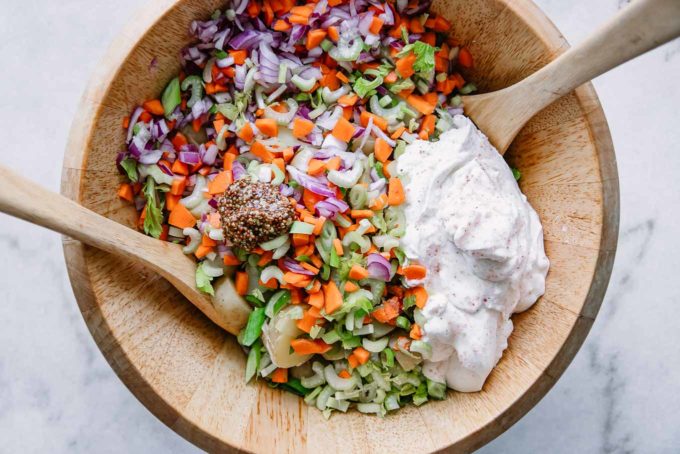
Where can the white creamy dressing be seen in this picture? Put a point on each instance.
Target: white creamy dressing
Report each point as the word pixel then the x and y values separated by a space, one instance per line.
pixel 482 244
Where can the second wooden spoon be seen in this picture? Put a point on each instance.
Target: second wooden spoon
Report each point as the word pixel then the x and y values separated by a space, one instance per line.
pixel 641 26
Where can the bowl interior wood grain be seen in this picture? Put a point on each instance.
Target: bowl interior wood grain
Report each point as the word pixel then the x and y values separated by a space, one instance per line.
pixel 190 374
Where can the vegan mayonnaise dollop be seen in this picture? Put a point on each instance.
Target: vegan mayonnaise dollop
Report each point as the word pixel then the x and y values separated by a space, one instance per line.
pixel 482 244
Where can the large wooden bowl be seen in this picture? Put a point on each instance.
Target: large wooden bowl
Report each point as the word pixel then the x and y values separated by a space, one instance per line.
pixel 190 374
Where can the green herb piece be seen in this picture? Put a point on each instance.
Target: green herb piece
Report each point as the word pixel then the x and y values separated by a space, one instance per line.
pixel 171 97
pixel 516 173
pixel 130 167
pixel 154 210
pixel 424 56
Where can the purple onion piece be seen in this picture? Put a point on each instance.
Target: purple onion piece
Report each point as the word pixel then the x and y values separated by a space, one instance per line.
pixel 378 267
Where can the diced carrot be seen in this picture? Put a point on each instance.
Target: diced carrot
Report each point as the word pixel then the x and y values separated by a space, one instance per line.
pixel 341 76
pixel 348 100
pixel 416 332
pixel 310 199
pixel 428 124
pixel 376 25
pixel 337 244
pixel 179 168
pixel 379 202
pixel 314 38
pixel 351 287
pixel 171 201
pixel 228 161
pixel 378 121
pixel 388 311
pixel 145 117
pixel 353 361
pixel 344 373
pixel 304 10
pixel 382 150
pixel 441 24
pixel 358 272
pixel 420 104
pixel 280 375
pixel 309 267
pixel 261 151
pixel 246 132
pixel 302 127
pixel 343 130
pixel 241 282
pixel 299 239
pixel 126 122
pixel 154 106
pixel 431 98
pixel 288 154
pixel 335 2
pixel 316 300
pixel 179 141
pixel 267 126
pixel 465 58
pixel 294 278
pixel 202 251
pixel 282 26
pixel 420 294
pixel 181 217
pixel 265 258
pixel 333 163
pixel 178 185
pixel 300 20
pixel 405 64
pixel 220 183
pixel 333 33
pixel 362 355
pixel 231 260
pixel 361 214
pixel 295 297
pixel 309 346
pixel 414 272
pixel 415 26
pixel 395 192
pixel 391 77
pixel 315 288
pixel 315 167
pixel 332 297
pixel 125 192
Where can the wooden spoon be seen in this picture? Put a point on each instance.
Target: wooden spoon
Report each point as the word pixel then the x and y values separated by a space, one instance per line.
pixel 641 26
pixel 24 199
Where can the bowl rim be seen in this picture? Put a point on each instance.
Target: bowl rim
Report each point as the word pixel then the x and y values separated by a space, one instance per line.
pixel 75 159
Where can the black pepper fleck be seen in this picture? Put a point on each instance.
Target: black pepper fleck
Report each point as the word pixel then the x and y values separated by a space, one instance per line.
pixel 254 212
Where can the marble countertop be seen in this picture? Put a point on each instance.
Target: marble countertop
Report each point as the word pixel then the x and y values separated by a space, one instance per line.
pixel 58 394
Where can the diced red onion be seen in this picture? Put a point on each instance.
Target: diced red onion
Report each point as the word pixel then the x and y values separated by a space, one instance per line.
pixel 210 155
pixel 316 185
pixel 150 157
pixel 133 121
pixel 378 267
pixel 189 157
pixel 238 170
pixel 292 265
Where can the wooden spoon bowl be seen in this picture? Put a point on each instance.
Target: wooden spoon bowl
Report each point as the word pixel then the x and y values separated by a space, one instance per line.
pixel 189 372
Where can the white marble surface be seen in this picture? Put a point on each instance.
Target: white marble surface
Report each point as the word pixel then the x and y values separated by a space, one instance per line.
pixel 57 393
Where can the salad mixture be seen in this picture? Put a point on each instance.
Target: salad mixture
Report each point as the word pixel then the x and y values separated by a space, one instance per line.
pixel 272 156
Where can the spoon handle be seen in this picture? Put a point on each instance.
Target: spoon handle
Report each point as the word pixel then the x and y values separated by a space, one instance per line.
pixel 21 198
pixel 638 28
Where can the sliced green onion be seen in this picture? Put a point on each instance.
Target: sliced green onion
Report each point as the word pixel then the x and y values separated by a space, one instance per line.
pixel 283 72
pixel 303 84
pixel 357 197
pixel 375 346
pixel 277 302
pixel 196 84
pixel 516 173
pixel 253 362
pixel 467 88
pixel 436 390
pixel 339 384
pixel 347 53
pixel 302 228
pixel 403 323
pixel 253 328
pixel 171 97
pixel 422 347
pixel 389 357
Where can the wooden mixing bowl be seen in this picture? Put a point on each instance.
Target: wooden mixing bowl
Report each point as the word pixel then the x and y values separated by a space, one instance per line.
pixel 189 373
